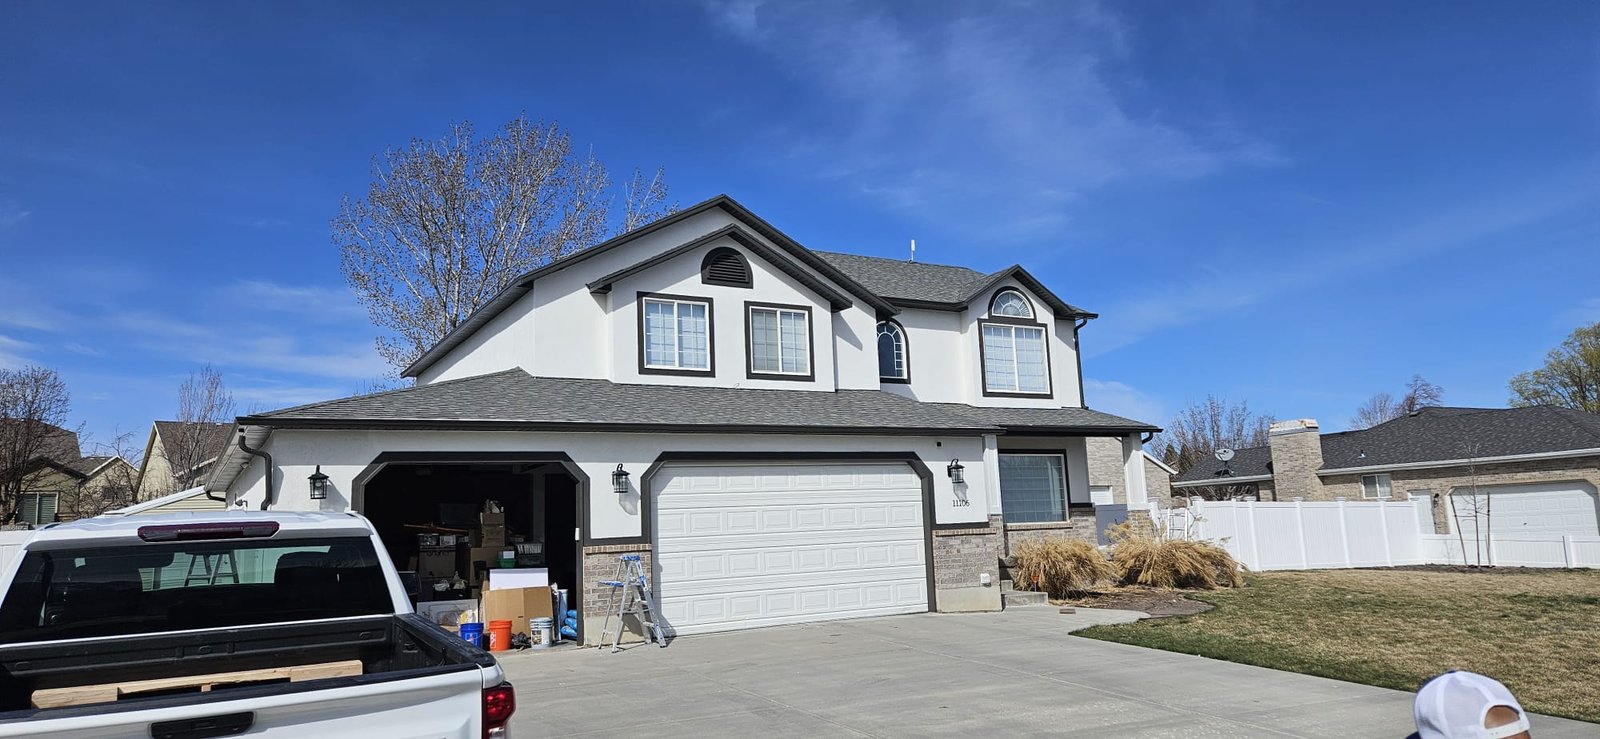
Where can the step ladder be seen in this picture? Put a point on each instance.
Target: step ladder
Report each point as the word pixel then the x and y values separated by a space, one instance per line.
pixel 206 568
pixel 630 594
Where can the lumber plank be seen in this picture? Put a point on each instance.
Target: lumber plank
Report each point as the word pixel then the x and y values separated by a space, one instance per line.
pixel 108 692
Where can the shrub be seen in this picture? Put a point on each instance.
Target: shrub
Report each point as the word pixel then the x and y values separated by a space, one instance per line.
pixel 1059 566
pixel 1143 558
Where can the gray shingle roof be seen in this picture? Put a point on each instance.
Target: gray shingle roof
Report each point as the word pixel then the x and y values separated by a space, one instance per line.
pixel 516 399
pixel 1435 435
pixel 1249 462
pixel 214 437
pixel 897 279
pixel 1045 419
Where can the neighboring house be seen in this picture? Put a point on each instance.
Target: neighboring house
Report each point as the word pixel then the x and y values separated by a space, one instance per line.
pixel 783 435
pixel 60 484
pixel 1532 470
pixel 191 500
pixel 191 446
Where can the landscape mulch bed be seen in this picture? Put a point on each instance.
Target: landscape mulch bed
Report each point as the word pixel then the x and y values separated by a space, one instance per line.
pixel 1157 603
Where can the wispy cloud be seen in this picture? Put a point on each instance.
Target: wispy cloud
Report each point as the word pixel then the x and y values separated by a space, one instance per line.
pixel 268 223
pixel 87 351
pixel 1123 400
pixel 11 352
pixel 12 213
pixel 1014 108
pixel 258 347
pixel 321 303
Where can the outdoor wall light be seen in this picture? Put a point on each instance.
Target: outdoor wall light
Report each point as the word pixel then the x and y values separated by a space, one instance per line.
pixel 619 481
pixel 319 484
pixel 957 473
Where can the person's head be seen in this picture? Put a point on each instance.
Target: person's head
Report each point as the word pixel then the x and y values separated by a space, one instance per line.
pixel 1466 705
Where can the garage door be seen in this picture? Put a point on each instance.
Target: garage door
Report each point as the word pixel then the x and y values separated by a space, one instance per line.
pixel 1551 508
pixel 740 546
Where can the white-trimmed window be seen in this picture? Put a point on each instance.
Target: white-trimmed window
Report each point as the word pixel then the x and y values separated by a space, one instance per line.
pixel 1015 359
pixel 1011 304
pixel 37 508
pixel 892 364
pixel 676 333
pixel 779 341
pixel 1033 487
pixel 1375 486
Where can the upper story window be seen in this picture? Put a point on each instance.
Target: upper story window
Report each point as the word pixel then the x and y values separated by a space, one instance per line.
pixel 893 365
pixel 1015 360
pixel 1011 304
pixel 674 334
pixel 779 341
pixel 725 266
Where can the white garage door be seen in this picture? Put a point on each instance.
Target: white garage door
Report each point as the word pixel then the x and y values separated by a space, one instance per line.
pixel 740 546
pixel 1550 508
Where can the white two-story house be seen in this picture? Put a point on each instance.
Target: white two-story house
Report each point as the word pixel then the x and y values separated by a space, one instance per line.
pixel 786 435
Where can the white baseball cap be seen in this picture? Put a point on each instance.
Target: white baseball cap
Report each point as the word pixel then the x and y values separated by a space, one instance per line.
pixel 1455 704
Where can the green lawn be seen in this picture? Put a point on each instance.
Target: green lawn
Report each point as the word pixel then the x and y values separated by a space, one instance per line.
pixel 1536 631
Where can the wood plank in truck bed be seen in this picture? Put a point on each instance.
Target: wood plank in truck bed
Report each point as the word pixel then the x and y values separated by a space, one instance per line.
pixel 108 692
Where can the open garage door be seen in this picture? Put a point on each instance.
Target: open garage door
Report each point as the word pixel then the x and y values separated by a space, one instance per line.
pixel 1545 508
pixel 746 545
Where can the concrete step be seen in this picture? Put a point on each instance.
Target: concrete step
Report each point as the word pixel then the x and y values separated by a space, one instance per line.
pixel 1024 598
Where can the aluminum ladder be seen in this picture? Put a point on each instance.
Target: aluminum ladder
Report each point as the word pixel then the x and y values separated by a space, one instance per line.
pixel 630 594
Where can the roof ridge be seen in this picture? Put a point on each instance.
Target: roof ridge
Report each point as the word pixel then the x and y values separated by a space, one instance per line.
pixel 396 391
pixel 1561 414
pixel 910 262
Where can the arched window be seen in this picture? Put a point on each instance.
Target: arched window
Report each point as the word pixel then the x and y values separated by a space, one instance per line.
pixel 1010 303
pixel 725 266
pixel 893 364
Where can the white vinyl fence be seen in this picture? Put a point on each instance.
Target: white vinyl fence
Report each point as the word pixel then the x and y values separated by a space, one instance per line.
pixel 11 546
pixel 1340 534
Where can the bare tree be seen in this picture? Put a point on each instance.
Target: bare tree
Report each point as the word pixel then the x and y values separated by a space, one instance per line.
pixel 1475 504
pixel 1382 407
pixel 1570 377
pixel 644 201
pixel 447 224
pixel 118 485
pixel 33 409
pixel 203 403
pixel 1202 428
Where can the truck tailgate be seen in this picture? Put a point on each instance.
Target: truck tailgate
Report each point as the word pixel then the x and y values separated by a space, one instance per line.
pixel 447 704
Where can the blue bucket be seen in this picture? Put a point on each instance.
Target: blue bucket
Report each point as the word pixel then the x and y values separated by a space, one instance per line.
pixel 473 633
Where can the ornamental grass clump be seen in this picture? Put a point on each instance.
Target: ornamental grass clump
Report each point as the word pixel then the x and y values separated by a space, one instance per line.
pixel 1144 558
pixel 1060 566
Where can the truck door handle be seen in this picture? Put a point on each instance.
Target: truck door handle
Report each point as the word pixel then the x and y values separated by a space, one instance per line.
pixel 203 728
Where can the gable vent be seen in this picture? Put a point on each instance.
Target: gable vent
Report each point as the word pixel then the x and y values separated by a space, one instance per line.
pixel 725 266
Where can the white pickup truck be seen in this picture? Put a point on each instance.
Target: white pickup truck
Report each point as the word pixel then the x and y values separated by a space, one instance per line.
pixel 198 625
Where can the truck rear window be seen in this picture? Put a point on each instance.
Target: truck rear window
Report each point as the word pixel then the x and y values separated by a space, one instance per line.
pixel 149 588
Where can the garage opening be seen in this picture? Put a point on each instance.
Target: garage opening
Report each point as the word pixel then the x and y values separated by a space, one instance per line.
pixel 457 530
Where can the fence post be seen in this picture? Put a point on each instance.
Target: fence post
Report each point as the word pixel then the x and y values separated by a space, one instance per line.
pixel 1344 535
pixel 1569 553
pixel 1255 541
pixel 1300 534
pixel 1383 522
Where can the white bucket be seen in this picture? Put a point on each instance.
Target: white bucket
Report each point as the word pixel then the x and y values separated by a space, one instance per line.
pixel 542 631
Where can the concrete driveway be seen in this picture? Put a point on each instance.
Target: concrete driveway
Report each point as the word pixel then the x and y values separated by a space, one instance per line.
pixel 1001 674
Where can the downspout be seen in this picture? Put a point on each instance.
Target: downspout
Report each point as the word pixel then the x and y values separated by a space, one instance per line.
pixel 1077 353
pixel 266 459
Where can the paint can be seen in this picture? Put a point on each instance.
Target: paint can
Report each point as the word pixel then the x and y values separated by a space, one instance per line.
pixel 540 629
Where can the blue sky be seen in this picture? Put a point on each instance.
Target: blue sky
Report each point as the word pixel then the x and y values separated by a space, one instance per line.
pixel 1298 204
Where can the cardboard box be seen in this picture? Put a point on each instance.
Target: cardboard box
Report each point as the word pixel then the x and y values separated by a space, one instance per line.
pixel 517 605
pixel 492 519
pixel 489 536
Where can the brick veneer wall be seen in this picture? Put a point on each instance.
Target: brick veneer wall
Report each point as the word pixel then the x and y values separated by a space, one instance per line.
pixel 1105 468
pixel 1439 482
pixel 962 555
pixel 1079 525
pixel 600 563
pixel 1296 457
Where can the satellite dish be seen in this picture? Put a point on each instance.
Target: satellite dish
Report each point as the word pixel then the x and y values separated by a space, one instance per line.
pixel 1224 454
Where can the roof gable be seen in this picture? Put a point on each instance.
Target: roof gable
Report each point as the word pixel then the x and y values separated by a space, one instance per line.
pixel 910 284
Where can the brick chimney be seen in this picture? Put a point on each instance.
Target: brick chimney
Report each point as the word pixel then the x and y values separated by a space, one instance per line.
pixel 1296 457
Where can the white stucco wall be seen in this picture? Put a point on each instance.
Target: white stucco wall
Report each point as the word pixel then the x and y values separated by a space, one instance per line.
pixel 1063 355
pixel 343 455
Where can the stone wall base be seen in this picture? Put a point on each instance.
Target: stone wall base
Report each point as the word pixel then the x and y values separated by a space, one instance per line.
pixel 600 563
pixel 962 557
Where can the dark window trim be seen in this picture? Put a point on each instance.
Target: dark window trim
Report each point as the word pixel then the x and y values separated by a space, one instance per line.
pixel 994 296
pixel 983 362
pixel 749 344
pixel 905 348
pixel 1066 484
pixel 711 336
pixel 647 493
pixel 705 266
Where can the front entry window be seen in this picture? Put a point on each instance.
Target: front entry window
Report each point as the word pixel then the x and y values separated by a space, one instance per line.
pixel 1033 487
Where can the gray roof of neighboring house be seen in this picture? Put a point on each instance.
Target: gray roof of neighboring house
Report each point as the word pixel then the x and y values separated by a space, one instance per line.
pixel 1435 435
pixel 1048 419
pixel 55 444
pixel 213 436
pixel 939 286
pixel 515 399
pixel 1251 462
pixel 87 465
